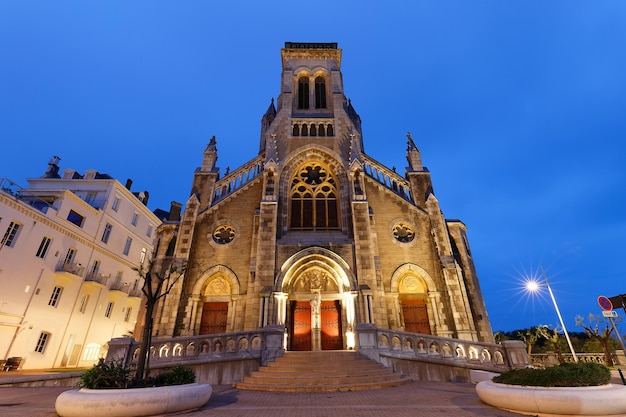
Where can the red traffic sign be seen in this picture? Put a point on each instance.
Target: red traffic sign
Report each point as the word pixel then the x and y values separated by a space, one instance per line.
pixel 605 303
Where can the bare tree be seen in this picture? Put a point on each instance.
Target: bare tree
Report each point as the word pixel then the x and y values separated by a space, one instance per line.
pixel 158 280
pixel 553 337
pixel 529 337
pixel 594 330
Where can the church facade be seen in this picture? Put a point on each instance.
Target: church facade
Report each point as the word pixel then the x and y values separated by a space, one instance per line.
pixel 315 235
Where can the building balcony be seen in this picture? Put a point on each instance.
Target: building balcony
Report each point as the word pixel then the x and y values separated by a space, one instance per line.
pixel 120 287
pixel 70 269
pixel 96 279
pixel 135 293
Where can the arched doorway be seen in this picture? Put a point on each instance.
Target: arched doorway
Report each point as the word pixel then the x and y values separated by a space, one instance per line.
pixel 412 296
pixel 315 302
pixel 315 319
pixel 215 303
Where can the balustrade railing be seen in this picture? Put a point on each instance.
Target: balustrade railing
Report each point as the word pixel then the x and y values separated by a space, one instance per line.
pixel 235 180
pixel 409 345
pixel 388 178
pixel 552 358
pixel 240 345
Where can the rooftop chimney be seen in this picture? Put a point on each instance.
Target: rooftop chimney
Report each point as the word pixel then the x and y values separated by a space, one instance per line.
pixel 175 209
pixel 53 168
pixel 129 183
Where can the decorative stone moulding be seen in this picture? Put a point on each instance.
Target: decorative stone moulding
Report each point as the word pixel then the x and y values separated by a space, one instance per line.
pixel 132 402
pixel 604 400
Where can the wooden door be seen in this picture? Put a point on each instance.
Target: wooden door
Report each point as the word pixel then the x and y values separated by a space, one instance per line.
pixel 300 325
pixel 214 318
pixel 332 337
pixel 415 316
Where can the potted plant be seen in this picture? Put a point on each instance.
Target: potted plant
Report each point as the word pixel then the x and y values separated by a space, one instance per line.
pixel 566 389
pixel 108 390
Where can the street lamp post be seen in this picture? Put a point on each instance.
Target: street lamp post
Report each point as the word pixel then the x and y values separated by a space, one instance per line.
pixel 533 286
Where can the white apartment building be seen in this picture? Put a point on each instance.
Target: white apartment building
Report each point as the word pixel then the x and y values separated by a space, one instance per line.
pixel 69 247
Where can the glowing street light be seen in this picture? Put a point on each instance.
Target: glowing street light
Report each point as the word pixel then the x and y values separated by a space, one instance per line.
pixel 533 286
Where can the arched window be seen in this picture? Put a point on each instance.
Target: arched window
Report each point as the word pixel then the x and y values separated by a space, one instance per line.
pixel 313 199
pixel 329 130
pixel 296 130
pixel 305 130
pixel 303 93
pixel 320 93
pixel 313 131
pixel 321 130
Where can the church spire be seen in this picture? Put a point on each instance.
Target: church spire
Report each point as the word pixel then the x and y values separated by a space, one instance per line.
pixel 355 153
pixel 271 157
pixel 210 156
pixel 413 155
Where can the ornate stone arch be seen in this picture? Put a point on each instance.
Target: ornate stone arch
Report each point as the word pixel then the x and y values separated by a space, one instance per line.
pixel 217 289
pixel 210 274
pixel 331 160
pixel 416 270
pixel 415 290
pixel 319 259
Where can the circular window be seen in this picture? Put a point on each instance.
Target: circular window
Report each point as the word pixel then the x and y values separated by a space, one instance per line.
pixel 223 234
pixel 403 232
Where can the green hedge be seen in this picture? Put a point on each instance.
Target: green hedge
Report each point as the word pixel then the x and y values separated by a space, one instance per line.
pixel 115 375
pixel 564 375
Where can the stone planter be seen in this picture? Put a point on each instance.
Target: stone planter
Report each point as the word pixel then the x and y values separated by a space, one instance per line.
pixel 132 402
pixel 603 400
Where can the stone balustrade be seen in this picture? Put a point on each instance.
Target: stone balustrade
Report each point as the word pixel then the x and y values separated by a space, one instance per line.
pixel 443 350
pixel 388 178
pixel 233 181
pixel 551 358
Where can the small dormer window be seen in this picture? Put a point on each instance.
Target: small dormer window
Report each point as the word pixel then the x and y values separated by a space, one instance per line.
pixel 303 93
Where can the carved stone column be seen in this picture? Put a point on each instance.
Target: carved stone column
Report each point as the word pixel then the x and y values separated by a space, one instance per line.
pixel 281 307
pixel 316 322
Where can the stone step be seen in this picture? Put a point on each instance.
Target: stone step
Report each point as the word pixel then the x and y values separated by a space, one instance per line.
pixel 351 386
pixel 278 372
pixel 321 380
pixel 321 371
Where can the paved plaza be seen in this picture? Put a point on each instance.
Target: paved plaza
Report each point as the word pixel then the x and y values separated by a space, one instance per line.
pixel 417 399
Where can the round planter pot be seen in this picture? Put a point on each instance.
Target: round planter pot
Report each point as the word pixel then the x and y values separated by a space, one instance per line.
pixel 604 400
pixel 132 402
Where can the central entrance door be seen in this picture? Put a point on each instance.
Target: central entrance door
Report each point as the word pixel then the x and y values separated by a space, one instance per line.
pixel 331 336
pixel 214 318
pixel 415 316
pixel 300 325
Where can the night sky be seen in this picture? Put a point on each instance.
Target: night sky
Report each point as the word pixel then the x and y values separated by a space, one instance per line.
pixel 518 109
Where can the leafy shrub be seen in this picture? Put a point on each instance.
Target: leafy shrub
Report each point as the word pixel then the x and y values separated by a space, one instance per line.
pixel 564 375
pixel 178 375
pixel 106 375
pixel 115 375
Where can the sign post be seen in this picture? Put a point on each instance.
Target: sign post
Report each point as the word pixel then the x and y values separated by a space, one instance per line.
pixel 607 311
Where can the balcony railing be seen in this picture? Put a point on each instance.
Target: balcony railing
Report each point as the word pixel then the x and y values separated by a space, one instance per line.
pixel 120 286
pixel 71 268
pixel 97 278
pixel 22 194
pixel 135 292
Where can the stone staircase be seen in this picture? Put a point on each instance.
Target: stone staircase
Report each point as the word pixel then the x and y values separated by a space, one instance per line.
pixel 321 372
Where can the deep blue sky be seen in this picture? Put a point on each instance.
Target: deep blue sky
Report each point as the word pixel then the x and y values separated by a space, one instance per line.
pixel 518 108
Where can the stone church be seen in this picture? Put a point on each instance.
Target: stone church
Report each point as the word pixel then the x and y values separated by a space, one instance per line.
pixel 315 235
